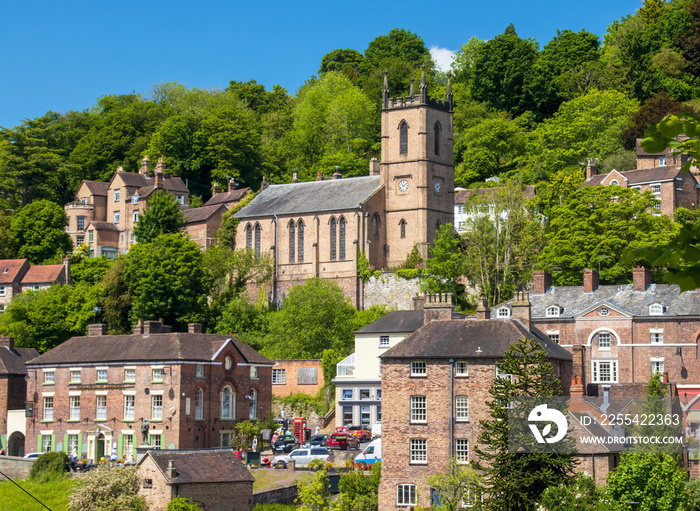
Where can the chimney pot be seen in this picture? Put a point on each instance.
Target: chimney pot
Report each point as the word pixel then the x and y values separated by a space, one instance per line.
pixel 294 178
pixel 319 177
pixel 144 166
pixel 591 168
pixel 215 189
pixel 264 184
pixel 231 185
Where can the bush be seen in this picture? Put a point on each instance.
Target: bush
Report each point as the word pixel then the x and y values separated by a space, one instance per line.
pixel 105 489
pixel 408 273
pixel 274 507
pixel 49 466
pixel 182 504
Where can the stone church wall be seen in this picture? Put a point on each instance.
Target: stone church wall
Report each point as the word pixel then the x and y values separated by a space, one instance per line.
pixel 392 291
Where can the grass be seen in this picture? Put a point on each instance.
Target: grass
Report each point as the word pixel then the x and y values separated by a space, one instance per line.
pixel 53 494
pixel 269 478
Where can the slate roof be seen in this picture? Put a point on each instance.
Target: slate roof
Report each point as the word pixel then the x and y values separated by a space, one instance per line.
pixel 463 195
pixel 97 187
pixel 574 301
pixel 147 184
pixel 311 196
pixel 103 226
pixel 12 360
pixel 16 269
pixel 225 198
pixel 170 184
pixel 178 346
pixel 197 466
pixel 652 175
pixel 194 215
pixel 395 322
pixel 42 273
pixel 462 339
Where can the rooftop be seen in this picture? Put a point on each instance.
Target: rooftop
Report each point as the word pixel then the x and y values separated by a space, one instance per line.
pixel 201 466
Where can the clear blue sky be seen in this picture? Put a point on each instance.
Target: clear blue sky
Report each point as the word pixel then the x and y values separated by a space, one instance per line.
pixel 64 55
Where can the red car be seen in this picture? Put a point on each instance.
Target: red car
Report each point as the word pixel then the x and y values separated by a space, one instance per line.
pixel 345 442
pixel 360 432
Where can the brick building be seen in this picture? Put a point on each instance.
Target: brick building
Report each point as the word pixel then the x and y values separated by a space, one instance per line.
pixel 215 480
pixel 319 228
pixel 230 198
pixel 13 388
pixel 17 275
pixel 435 387
pixel 297 376
pixel 91 394
pixel 203 223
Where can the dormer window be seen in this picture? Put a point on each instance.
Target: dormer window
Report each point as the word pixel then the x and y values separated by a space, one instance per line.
pixel 503 312
pixel 553 311
pixel 656 309
pixel 662 161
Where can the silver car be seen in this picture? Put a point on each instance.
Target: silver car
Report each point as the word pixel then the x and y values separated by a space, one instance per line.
pixel 301 457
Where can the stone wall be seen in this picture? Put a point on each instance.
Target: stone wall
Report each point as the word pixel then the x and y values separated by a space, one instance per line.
pixel 391 291
pixel 286 495
pixel 14 467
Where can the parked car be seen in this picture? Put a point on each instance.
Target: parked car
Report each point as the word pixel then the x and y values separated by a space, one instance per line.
pixel 33 455
pixel 301 457
pixel 360 432
pixel 372 454
pixel 285 445
pixel 318 441
pixel 344 442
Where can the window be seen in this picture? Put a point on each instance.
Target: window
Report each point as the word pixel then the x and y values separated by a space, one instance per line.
pixel 656 207
pixel 656 309
pixel 292 241
pixel 101 408
pixel 554 338
pixel 228 403
pixel 406 495
pixel 462 450
pixel 348 418
pixel 37 288
pixel 503 312
pixel 366 417
pixel 384 341
pixel 2 308
pixel 200 371
pixel 347 394
pixel 157 441
pixel 419 369
pixel 614 182
pixel 116 217
pixel 364 394
pixel 333 236
pixel 462 408
pixel 199 404
pixel 135 199
pixel 254 372
pixel 418 409
pixel 128 451
pixel 657 337
pixel 74 402
pixel 135 216
pixel 181 200
pixel 603 311
pixel 679 184
pixel 605 371
pixel 436 135
pixel 279 376
pixel 342 238
pixel 462 368
pixel 553 311
pixel 75 375
pixel 157 407
pixel 377 222
pixel 657 367
pixel 102 375
pixel 378 394
pixel 502 375
pixel 225 438
pixel 157 375
pixel 258 232
pixel 46 443
pixel 402 225
pixel 419 450
pixel 2 290
pixel 253 405
pixel 604 340
pixel 49 377
pixel 249 237
pixel 129 408
pixel 81 223
pixel 116 195
pixel 121 239
pixel 403 137
pixel 129 375
pixel 656 188
pixel 80 240
pixel 662 161
pixel 300 235
pixel 131 237
pixel 72 444
pixel 90 237
pixel 48 408
pixel 379 414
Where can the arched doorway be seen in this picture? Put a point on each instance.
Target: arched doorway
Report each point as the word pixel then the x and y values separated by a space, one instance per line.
pixel 99 447
pixel 15 444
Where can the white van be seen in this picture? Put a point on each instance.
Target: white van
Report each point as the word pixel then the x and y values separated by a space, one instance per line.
pixel 376 430
pixel 371 455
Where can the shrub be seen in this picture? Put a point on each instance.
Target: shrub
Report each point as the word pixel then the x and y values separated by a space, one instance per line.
pixel 105 489
pixel 182 504
pixel 48 466
pixel 274 507
pixel 408 273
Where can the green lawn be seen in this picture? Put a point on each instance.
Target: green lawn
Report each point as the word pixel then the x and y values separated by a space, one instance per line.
pixel 54 495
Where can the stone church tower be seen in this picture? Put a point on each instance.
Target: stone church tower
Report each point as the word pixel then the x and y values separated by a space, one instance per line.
pixel 417 170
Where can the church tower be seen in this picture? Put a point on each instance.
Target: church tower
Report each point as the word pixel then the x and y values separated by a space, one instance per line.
pixel 417 169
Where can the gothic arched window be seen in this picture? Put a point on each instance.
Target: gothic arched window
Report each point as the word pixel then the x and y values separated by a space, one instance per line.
pixel 249 236
pixel 300 233
pixel 333 238
pixel 403 137
pixel 292 240
pixel 228 403
pixel 436 130
pixel 402 223
pixel 258 232
pixel 342 238
pixel 377 223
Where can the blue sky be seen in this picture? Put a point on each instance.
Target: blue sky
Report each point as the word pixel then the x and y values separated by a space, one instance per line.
pixel 64 55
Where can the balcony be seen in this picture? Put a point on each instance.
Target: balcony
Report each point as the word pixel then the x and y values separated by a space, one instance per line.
pixel 346 367
pixel 80 205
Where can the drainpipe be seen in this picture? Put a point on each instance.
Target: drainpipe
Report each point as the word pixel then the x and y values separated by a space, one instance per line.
pixel 452 406
pixel 274 279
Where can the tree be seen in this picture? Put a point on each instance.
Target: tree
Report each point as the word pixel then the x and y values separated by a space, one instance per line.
pixel 458 485
pixel 162 216
pixel 182 504
pixel 648 115
pixel 463 62
pixel 49 466
pixel 651 10
pixel 516 480
pixel 116 298
pixel 230 271
pixel 314 495
pixel 105 489
pixel 446 263
pixel 6 245
pixel 344 60
pixel 38 232
pixel 595 226
pixel 166 280
pixel 581 494
pixel 358 492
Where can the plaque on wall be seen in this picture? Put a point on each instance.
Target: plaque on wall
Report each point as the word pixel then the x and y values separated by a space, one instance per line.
pixel 307 376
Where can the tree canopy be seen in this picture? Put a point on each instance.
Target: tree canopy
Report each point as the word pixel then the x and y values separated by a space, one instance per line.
pixel 38 232
pixel 162 216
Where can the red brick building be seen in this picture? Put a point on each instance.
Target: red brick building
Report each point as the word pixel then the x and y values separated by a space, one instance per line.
pixel 92 394
pixel 17 275
pixel 294 376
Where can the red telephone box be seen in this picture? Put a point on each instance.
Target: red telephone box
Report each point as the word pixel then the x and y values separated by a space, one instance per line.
pixel 299 429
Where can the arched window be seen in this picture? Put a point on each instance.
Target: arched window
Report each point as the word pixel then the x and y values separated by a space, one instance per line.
pixel 333 236
pixel 249 236
pixel 228 403
pixel 614 182
pixel 553 311
pixel 342 238
pixel 402 224
pixel 292 240
pixel 300 232
pixel 504 312
pixel 253 409
pixel 436 130
pixel 377 223
pixel 258 231
pixel 403 137
pixel 199 404
pixel 656 309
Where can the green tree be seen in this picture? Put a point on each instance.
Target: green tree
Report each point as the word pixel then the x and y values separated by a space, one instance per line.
pixel 116 298
pixel 90 270
pixel 6 245
pixel 358 492
pixel 182 504
pixel 230 271
pixel 314 495
pixel 38 232
pixel 446 264
pixel 162 216
pixel 166 280
pixel 581 494
pixel 648 115
pixel 49 466
pixel 104 489
pixel 516 480
pixel 463 62
pixel 457 485
pixel 651 10
pixel 344 60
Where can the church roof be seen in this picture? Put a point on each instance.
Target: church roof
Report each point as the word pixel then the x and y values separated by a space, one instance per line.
pixel 311 197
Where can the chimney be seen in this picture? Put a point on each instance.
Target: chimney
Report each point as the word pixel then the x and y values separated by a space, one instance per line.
pixel 7 342
pixel 160 173
pixel 664 377
pixel 641 278
pixel 294 178
pixel 138 327
pixel 231 185
pixel 437 307
pixel 120 169
pixel 520 307
pixel 482 310
pixel 264 184
pixel 337 175
pixel 591 169
pixel 97 330
pixel 418 303
pixel 66 265
pixel 319 177
pixel 374 167
pixel 194 328
pixel 541 282
pixel 576 388
pixel 172 474
pixel 215 189
pixel 590 281
pixel 144 167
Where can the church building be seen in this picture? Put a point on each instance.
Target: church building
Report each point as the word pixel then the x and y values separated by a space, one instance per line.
pixel 320 228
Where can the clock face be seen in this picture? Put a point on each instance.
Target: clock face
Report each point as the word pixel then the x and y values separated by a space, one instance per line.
pixel 403 185
pixel 436 185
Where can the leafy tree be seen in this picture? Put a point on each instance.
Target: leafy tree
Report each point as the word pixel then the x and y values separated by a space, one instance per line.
pixel 581 494
pixel 116 298
pixel 620 160
pixel 358 492
pixel 446 263
pixel 459 484
pixel 651 10
pixel 166 279
pixel 594 228
pixel 649 114
pixel 90 270
pixel 557 189
pixel 230 271
pixel 245 319
pixel 516 480
pixel 38 232
pixel 182 504
pixel 689 40
pixel 6 245
pixel 314 495
pixel 105 489
pixel 49 466
pixel 162 216
pixel 343 60
pixel 463 62
pixel 229 223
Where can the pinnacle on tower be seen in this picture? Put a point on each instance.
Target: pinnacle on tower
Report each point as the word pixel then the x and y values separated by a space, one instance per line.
pixel 385 90
pixel 448 91
pixel 423 86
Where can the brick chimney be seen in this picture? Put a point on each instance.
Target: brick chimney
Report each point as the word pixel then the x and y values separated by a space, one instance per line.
pixel 215 189
pixel 231 185
pixel 7 342
pixel 576 388
pixel 97 330
pixel 194 328
pixel 520 307
pixel 418 303
pixel 160 173
pixel 144 167
pixel 641 278
pixel 295 179
pixel 264 184
pixel 482 310
pixel 374 167
pixel 541 281
pixel 172 473
pixel 590 281
pixel 437 307
pixel 66 266
pixel 591 168
pixel 319 177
